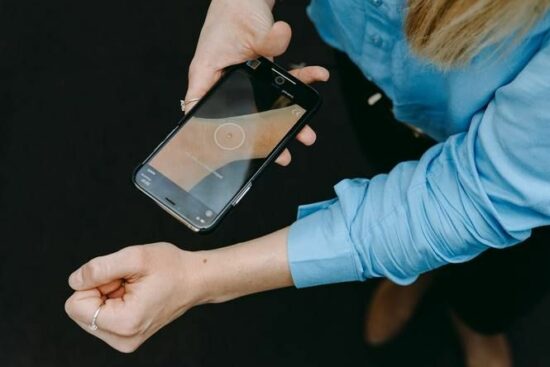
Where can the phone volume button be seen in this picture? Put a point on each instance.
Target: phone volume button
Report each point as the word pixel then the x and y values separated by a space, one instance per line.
pixel 241 194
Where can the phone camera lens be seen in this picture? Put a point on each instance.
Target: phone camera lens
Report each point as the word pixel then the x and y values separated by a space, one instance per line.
pixel 279 80
pixel 253 64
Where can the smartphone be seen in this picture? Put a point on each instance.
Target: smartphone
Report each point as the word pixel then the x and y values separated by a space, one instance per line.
pixel 215 154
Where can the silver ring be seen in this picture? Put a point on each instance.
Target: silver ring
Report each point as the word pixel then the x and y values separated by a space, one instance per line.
pixel 93 325
pixel 186 102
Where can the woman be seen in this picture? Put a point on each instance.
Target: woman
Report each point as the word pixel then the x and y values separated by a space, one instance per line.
pixel 472 74
pixel 485 296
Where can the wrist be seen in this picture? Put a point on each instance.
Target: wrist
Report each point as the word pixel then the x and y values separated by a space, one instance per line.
pixel 270 3
pixel 214 277
pixel 230 272
pixel 204 278
pixel 193 287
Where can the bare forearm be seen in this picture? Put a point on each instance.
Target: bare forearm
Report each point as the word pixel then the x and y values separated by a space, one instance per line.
pixel 250 267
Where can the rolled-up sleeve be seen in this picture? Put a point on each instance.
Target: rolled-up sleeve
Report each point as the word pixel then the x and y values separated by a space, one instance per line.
pixel 485 188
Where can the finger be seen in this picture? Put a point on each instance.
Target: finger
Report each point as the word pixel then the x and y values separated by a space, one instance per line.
pixel 284 158
pixel 121 343
pixel 82 305
pixel 202 77
pixel 117 315
pixel 105 269
pixel 307 136
pixel 110 287
pixel 311 74
pixel 118 293
pixel 275 42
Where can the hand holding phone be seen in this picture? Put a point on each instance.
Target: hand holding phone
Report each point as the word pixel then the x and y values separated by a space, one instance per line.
pixel 210 161
pixel 234 31
pixel 239 30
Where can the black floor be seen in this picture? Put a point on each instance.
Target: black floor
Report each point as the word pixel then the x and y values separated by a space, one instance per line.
pixel 86 91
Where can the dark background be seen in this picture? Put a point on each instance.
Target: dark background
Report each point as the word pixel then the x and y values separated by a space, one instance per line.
pixel 87 90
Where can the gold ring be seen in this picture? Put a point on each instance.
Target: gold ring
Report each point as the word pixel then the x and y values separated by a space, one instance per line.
pixel 186 102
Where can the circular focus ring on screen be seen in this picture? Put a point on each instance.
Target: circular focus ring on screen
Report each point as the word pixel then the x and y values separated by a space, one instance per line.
pixel 229 136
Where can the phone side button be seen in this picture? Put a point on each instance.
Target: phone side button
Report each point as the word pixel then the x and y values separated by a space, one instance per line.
pixel 241 194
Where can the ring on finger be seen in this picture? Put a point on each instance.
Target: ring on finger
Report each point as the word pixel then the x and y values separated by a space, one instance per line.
pixel 93 324
pixel 186 102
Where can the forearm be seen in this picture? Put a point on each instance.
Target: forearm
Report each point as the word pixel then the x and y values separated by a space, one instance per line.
pixel 250 267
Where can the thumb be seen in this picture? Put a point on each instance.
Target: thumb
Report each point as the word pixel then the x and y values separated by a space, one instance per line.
pixel 202 77
pixel 105 269
pixel 275 42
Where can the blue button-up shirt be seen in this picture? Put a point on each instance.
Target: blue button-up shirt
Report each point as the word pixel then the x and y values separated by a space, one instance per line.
pixel 486 184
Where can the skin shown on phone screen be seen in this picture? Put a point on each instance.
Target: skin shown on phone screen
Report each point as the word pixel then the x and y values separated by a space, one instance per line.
pixel 203 146
pixel 223 142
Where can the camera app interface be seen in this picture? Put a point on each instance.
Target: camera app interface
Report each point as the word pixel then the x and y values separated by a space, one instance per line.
pixel 225 142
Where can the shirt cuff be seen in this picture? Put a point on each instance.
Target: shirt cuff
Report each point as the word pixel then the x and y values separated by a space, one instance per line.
pixel 320 250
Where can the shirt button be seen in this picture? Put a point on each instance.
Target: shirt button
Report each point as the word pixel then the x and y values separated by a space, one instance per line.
pixel 376 40
pixel 376 3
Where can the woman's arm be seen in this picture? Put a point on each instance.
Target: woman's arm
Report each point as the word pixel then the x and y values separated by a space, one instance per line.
pixel 250 267
pixel 140 289
pixel 485 188
pixel 146 287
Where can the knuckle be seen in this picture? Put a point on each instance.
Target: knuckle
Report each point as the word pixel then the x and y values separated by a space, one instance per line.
pixel 158 249
pixel 137 256
pixel 165 245
pixel 92 269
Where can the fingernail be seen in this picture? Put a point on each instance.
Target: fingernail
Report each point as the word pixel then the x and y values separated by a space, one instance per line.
pixel 75 279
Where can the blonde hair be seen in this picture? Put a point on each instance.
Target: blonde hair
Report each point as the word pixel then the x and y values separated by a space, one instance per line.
pixel 451 32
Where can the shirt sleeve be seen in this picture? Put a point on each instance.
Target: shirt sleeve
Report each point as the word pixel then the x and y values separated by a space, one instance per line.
pixel 485 188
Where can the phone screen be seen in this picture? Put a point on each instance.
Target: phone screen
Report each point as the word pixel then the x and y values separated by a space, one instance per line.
pixel 222 145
